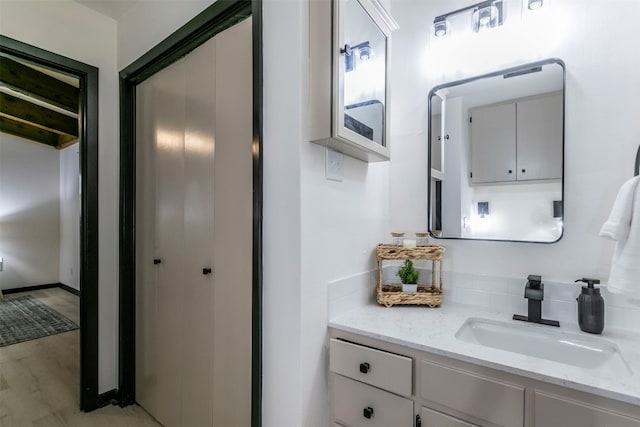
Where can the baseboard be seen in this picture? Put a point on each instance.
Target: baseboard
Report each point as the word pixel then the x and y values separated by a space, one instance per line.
pixel 108 398
pixel 40 287
pixel 30 288
pixel 69 289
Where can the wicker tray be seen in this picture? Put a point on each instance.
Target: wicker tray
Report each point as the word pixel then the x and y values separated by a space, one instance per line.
pixel 392 294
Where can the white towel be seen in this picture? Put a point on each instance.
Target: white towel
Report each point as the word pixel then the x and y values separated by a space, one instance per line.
pixel 623 226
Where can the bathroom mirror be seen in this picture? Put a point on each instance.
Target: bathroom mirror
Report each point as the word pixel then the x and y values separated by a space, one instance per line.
pixel 363 50
pixel 496 145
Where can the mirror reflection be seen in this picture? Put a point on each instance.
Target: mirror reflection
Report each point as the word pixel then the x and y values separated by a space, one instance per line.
pixel 364 51
pixel 496 155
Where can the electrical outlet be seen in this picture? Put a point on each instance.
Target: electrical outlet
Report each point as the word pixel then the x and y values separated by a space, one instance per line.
pixel 334 165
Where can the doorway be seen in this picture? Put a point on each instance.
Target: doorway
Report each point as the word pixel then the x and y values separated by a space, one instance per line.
pixel 214 20
pixel 87 134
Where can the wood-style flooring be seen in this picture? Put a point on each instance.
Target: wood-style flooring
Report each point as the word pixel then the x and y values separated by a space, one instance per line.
pixel 40 379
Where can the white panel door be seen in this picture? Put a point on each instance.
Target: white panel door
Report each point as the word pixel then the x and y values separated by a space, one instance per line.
pixel 146 268
pixel 539 138
pixel 233 227
pixel 199 145
pixel 170 123
pixel 493 143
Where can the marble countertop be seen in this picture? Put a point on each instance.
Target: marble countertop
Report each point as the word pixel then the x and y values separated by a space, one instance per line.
pixel 433 331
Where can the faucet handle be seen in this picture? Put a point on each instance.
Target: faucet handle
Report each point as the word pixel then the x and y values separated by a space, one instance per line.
pixel 534 281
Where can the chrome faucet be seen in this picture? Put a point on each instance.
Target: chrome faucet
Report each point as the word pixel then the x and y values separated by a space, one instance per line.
pixel 534 292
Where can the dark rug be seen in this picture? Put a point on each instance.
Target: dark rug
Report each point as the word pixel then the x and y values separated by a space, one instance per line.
pixel 25 318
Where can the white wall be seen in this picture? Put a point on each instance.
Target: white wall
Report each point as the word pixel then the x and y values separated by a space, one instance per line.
pixel 70 216
pixel 29 213
pixel 602 130
pixel 147 23
pixel 70 29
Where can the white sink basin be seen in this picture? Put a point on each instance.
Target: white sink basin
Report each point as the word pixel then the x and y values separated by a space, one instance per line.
pixel 545 342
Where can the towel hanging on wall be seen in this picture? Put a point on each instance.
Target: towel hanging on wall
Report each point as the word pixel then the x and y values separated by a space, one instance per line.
pixel 623 226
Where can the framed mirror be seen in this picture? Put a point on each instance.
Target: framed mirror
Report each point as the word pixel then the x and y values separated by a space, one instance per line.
pixel 496 163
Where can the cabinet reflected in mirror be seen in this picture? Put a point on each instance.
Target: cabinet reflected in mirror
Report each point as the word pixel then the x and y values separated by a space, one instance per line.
pixel 496 155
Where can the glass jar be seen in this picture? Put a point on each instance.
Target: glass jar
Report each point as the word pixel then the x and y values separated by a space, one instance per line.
pixel 397 237
pixel 422 238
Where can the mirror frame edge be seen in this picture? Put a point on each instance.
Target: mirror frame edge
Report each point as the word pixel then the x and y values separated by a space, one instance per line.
pixel 432 93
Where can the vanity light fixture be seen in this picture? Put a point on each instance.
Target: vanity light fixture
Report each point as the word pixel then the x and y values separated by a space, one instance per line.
pixel 487 14
pixel 364 52
pixel 534 4
pixel 440 27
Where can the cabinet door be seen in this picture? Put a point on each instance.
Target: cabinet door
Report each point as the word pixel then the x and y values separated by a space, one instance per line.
pixel 431 418
pixel 556 411
pixel 493 143
pixel 485 398
pixel 539 138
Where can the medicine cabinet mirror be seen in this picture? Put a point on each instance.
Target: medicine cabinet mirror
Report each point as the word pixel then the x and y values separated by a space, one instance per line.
pixel 348 77
pixel 496 145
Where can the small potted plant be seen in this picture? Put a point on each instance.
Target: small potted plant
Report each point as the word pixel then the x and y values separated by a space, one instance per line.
pixel 408 277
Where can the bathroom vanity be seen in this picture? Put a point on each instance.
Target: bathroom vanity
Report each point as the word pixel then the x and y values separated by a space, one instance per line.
pixel 412 366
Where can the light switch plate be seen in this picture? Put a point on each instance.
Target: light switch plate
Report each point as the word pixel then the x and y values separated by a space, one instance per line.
pixel 334 165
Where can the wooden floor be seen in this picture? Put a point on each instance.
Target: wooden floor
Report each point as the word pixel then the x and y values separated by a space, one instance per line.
pixel 39 379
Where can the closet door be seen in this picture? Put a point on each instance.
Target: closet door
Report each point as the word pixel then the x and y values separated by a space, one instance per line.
pixel 146 253
pixel 170 124
pixel 233 228
pixel 194 214
pixel 199 184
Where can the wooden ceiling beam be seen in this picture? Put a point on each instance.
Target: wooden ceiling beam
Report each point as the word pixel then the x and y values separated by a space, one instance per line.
pixel 25 79
pixel 20 110
pixel 27 131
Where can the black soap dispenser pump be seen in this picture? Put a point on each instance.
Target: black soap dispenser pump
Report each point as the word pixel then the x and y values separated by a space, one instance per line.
pixel 590 307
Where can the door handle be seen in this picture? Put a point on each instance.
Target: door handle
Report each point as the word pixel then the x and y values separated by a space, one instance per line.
pixel 157 261
pixel 206 271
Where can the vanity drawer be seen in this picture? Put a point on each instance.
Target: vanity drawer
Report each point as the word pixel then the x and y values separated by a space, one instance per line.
pixel 556 411
pixel 357 404
pixel 431 418
pixel 484 398
pixel 378 368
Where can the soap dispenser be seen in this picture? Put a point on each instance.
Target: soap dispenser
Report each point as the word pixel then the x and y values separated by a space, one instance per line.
pixel 590 307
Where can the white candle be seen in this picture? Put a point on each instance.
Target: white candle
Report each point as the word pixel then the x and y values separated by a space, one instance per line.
pixel 409 243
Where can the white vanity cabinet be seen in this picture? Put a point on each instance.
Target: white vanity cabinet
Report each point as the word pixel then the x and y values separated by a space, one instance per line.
pixel 517 141
pixel 349 77
pixel 400 386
